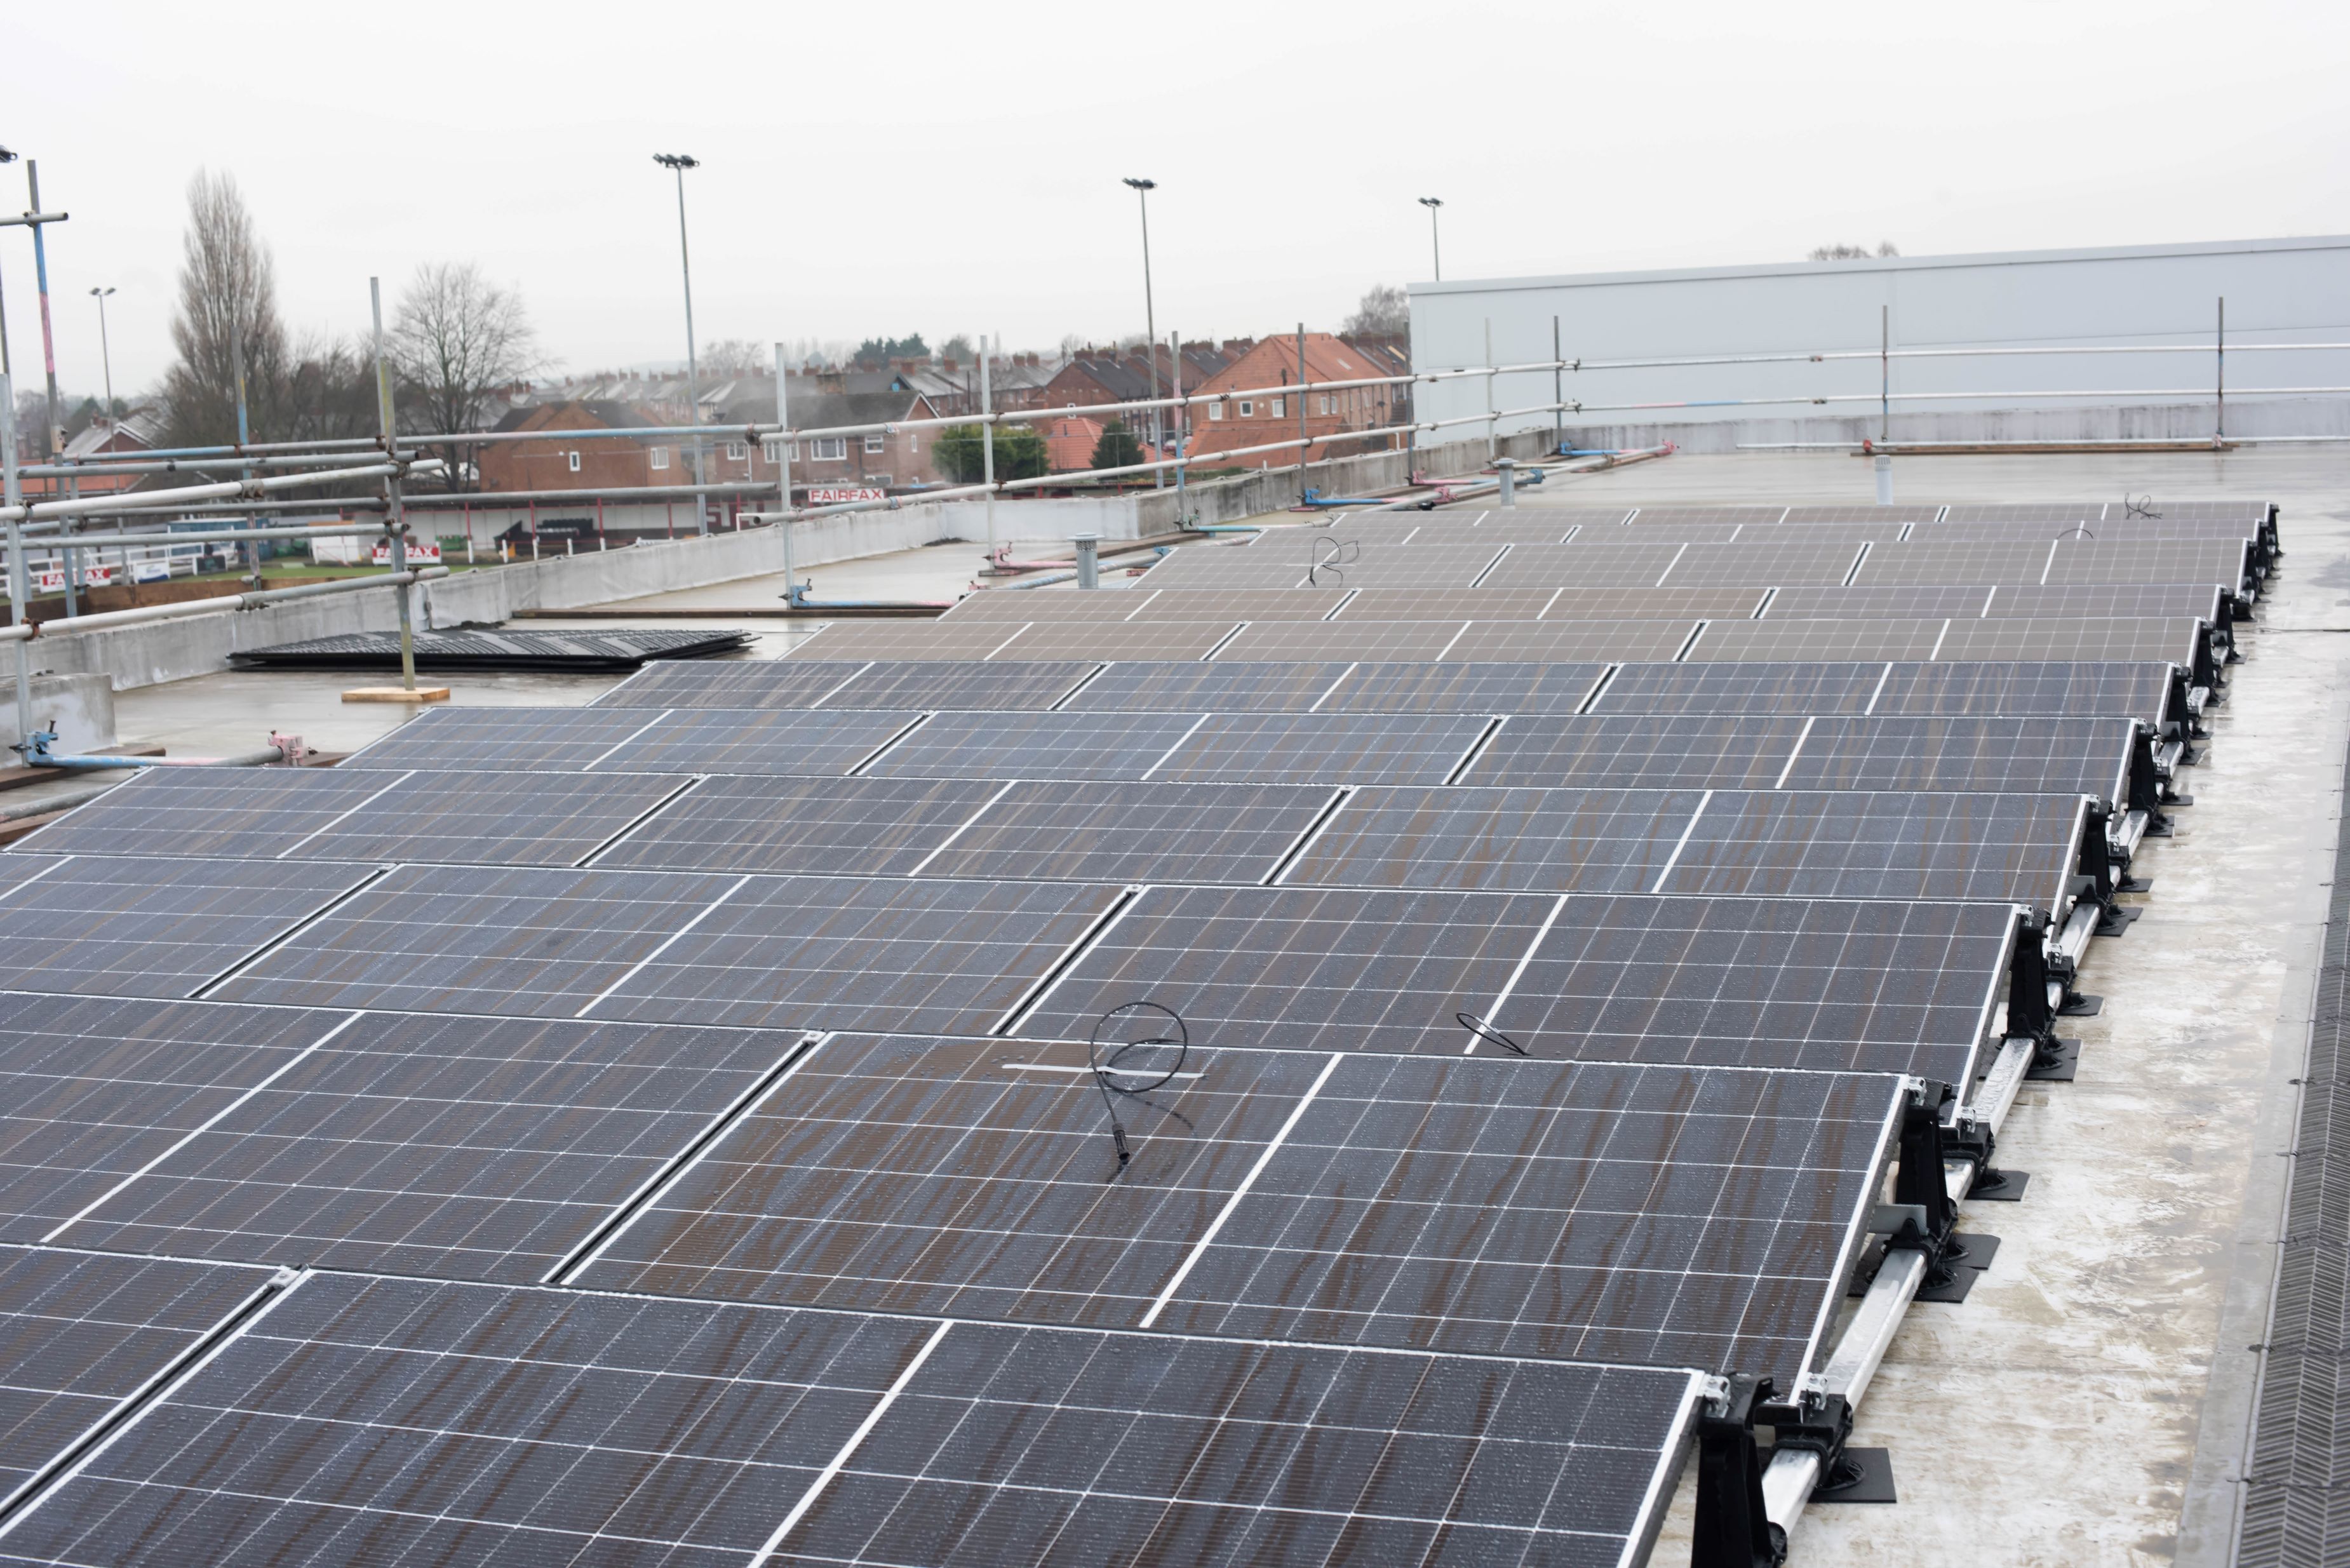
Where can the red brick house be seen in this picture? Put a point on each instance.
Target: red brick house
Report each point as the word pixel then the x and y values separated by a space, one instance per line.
pixel 1270 416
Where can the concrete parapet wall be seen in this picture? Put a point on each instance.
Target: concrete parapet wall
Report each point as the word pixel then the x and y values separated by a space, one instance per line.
pixel 2168 421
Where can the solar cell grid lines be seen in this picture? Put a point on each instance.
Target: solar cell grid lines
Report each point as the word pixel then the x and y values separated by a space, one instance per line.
pixel 1821 985
pixel 1698 750
pixel 2105 601
pixel 1816 641
pixel 1683 605
pixel 1652 517
pixel 1627 564
pixel 1569 642
pixel 1806 844
pixel 963 1176
pixel 1768 560
pixel 1003 684
pixel 462 1148
pixel 102 926
pixel 706 1432
pixel 1064 745
pixel 862 640
pixel 1796 516
pixel 848 827
pixel 1134 832
pixel 1302 968
pixel 1405 688
pixel 2134 530
pixel 97 1089
pixel 1902 601
pixel 1013 603
pixel 1498 840
pixel 2031 755
pixel 2118 640
pixel 1253 686
pixel 84 1333
pixel 1127 640
pixel 541 739
pixel 776 741
pixel 735 683
pixel 2133 690
pixel 1445 604
pixel 160 812
pixel 1246 603
pixel 1320 561
pixel 1740 688
pixel 1341 641
pixel 1954 560
pixel 2227 563
pixel 1325 748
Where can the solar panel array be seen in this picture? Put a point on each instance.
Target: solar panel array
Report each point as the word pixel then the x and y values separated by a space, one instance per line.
pixel 680 1140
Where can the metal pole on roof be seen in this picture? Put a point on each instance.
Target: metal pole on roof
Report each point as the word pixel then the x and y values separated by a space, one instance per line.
pixel 783 484
pixel 1557 392
pixel 1303 451
pixel 1493 429
pixel 1182 419
pixel 987 441
pixel 395 518
pixel 679 162
pixel 12 494
pixel 105 349
pixel 1885 372
pixel 41 280
pixel 1436 249
pixel 1142 189
pixel 2219 408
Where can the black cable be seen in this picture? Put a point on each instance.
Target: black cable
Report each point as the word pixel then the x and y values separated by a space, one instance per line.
pixel 1103 1069
pixel 2142 507
pixel 1487 1033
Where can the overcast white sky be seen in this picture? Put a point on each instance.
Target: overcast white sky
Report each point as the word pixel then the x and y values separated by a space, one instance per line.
pixel 941 168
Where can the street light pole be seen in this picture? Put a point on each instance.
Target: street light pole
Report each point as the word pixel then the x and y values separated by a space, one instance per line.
pixel 105 351
pixel 1435 249
pixel 1142 189
pixel 679 162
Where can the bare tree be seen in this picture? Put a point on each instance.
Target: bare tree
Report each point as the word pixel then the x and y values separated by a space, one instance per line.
pixel 734 358
pixel 456 339
pixel 1852 252
pixel 228 286
pixel 1385 312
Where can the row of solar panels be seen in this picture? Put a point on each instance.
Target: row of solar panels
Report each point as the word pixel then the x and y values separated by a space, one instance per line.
pixel 2248 514
pixel 867 1298
pixel 1876 985
pixel 2111 759
pixel 1778 560
pixel 1536 525
pixel 2183 642
pixel 2151 691
pixel 2035 849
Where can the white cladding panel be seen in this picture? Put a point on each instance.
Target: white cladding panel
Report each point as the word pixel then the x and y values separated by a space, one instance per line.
pixel 2293 290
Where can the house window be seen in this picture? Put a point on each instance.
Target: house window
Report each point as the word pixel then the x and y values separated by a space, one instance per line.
pixel 575 460
pixel 1247 408
pixel 660 456
pixel 1280 407
pixel 773 450
pixel 1216 410
pixel 830 449
pixel 1327 403
pixel 877 444
pixel 736 452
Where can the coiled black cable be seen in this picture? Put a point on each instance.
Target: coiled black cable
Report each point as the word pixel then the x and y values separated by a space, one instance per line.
pixel 1487 1033
pixel 1106 1069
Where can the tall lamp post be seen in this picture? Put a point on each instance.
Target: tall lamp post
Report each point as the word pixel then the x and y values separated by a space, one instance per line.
pixel 1435 249
pixel 1142 189
pixel 104 352
pixel 679 162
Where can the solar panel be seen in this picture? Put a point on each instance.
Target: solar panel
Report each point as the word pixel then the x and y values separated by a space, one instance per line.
pixel 84 1334
pixel 1498 840
pixel 1127 640
pixel 1245 604
pixel 500 648
pixel 1865 515
pixel 1612 564
pixel 100 926
pixel 160 812
pixel 2110 530
pixel 540 739
pixel 1683 605
pixel 2229 562
pixel 867 639
pixel 725 741
pixel 1343 640
pixel 1195 687
pixel 1325 748
pixel 1652 517
pixel 1569 642
pixel 2140 690
pixel 97 1089
pixel 1058 603
pixel 2079 756
pixel 1950 560
pixel 1629 751
pixel 1883 987
pixel 471 1148
pixel 1003 683
pixel 668 947
pixel 1900 601
pixel 691 1431
pixel 1445 604
pixel 732 683
pixel 521 819
pixel 1356 1196
pixel 1803 843
pixel 1757 560
pixel 1740 641
pixel 1037 746
pixel 1740 688
pixel 1377 687
pixel 2103 601
pixel 1134 832
pixel 848 827
pixel 2116 641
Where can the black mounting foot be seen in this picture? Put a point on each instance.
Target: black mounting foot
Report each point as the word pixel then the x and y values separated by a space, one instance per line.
pixel 2081 1004
pixel 1732 1530
pixel 2000 1185
pixel 2055 1064
pixel 2117 919
pixel 1861 1475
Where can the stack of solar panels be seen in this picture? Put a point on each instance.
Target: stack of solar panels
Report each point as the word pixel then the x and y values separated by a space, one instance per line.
pixel 1085 1094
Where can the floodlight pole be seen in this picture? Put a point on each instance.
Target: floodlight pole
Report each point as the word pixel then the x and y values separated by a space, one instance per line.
pixel 783 482
pixel 987 442
pixel 12 494
pixel 1142 189
pixel 679 162
pixel 105 349
pixel 1435 247
pixel 41 279
pixel 395 516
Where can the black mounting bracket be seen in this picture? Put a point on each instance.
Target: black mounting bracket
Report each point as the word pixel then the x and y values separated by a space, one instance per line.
pixel 1732 1530
pixel 1815 1423
pixel 2145 785
pixel 2029 1015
